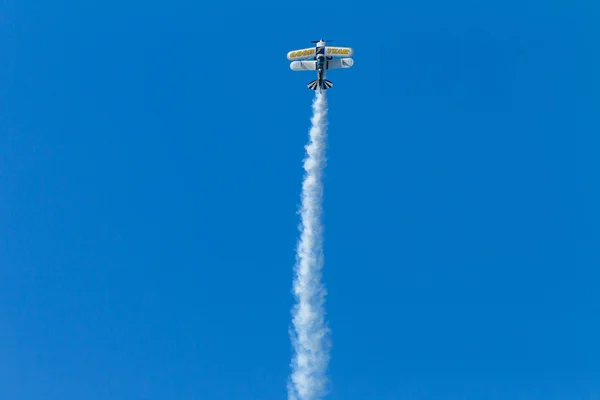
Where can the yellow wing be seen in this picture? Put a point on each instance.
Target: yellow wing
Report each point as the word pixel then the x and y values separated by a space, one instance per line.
pixel 302 53
pixel 339 51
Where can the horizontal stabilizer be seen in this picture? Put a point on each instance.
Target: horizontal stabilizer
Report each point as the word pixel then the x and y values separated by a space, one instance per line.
pixel 340 63
pixel 314 85
pixel 303 65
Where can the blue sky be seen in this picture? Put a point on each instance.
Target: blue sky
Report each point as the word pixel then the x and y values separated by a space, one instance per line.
pixel 150 170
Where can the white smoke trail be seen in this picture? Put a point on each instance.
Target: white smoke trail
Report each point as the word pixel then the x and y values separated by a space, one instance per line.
pixel 311 334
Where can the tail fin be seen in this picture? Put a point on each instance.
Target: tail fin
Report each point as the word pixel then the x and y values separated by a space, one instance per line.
pixel 314 85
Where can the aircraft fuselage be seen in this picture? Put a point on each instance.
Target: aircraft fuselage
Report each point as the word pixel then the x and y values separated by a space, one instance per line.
pixel 320 57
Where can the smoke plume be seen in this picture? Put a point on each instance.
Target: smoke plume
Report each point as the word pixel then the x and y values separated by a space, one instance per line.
pixel 310 334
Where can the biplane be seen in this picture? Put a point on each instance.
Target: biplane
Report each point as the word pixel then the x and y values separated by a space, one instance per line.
pixel 320 58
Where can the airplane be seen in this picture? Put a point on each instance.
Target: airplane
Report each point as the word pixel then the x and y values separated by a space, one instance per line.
pixel 321 59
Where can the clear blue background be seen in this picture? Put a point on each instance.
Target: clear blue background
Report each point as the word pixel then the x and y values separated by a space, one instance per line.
pixel 150 174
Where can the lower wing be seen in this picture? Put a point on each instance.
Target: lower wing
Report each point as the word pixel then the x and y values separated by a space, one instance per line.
pixel 303 65
pixel 340 63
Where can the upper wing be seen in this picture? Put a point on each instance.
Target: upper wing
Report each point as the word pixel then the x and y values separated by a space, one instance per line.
pixel 302 53
pixel 340 63
pixel 303 65
pixel 339 51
